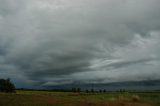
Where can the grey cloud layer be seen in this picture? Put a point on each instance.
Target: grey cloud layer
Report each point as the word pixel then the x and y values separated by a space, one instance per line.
pixel 52 42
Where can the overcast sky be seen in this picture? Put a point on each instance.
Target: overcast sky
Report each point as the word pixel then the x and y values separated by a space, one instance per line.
pixel 56 42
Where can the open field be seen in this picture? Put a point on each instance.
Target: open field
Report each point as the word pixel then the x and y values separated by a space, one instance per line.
pixel 44 98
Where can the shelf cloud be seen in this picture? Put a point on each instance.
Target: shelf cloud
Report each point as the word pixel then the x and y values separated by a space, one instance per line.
pixel 56 42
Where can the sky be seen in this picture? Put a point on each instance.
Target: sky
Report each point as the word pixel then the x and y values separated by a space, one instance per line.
pixel 57 42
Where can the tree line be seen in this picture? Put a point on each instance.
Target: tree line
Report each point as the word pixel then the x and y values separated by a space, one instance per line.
pixel 88 91
pixel 7 86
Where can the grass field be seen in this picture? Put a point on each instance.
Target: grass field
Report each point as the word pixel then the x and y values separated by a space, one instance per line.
pixel 44 98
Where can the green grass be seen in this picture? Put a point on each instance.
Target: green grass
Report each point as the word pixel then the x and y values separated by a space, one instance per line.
pixel 44 98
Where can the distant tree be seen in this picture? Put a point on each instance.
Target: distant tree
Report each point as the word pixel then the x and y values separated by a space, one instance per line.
pixel 100 91
pixel 122 90
pixel 78 89
pixel 6 86
pixel 73 89
pixel 92 90
pixel 104 91
pixel 87 91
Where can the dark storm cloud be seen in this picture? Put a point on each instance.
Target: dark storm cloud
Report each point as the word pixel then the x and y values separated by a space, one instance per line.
pixel 55 42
